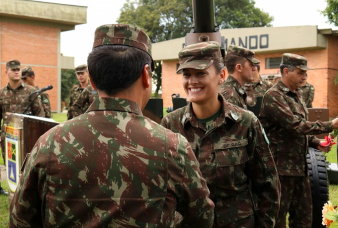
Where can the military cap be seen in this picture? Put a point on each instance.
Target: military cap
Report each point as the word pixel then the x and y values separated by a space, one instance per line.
pixel 81 68
pixel 199 56
pixel 298 61
pixel 24 71
pixel 242 52
pixel 13 64
pixel 121 34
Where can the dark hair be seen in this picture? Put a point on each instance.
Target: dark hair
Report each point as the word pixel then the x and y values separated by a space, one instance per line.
pixel 258 67
pixel 232 60
pixel 30 73
pixel 282 66
pixel 219 65
pixel 114 68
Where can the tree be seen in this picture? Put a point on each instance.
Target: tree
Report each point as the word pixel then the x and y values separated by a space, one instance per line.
pixel 68 80
pixel 331 11
pixel 169 19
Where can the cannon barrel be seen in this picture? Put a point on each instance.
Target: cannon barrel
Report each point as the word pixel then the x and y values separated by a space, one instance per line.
pixel 204 27
pixel 204 16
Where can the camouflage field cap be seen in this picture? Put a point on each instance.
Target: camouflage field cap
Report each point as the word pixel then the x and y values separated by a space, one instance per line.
pixel 199 56
pixel 81 68
pixel 25 70
pixel 121 34
pixel 13 64
pixel 295 60
pixel 242 52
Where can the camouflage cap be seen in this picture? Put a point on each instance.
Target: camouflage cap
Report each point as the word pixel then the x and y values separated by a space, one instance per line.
pixel 81 68
pixel 24 71
pixel 242 52
pixel 121 34
pixel 199 56
pixel 295 60
pixel 13 64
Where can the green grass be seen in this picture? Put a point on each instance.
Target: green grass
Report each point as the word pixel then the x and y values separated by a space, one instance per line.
pixel 59 117
pixel 4 206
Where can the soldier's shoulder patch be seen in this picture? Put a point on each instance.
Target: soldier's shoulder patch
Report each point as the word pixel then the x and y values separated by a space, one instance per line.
pixel 235 116
pixel 46 101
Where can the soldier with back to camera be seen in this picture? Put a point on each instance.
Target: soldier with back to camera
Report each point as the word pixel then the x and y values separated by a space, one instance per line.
pixel 112 166
pixel 284 117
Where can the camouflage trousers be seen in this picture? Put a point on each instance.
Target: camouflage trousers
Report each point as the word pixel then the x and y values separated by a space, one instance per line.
pixel 248 222
pixel 296 200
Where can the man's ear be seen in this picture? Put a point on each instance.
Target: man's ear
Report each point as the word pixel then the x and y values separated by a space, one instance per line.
pixel 238 67
pixel 146 80
pixel 285 71
pixel 91 82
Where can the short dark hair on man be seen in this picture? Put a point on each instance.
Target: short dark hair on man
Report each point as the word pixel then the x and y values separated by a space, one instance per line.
pixel 232 60
pixel 114 68
pixel 30 73
pixel 282 66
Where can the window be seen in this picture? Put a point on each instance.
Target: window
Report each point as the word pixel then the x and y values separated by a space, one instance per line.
pixel 272 63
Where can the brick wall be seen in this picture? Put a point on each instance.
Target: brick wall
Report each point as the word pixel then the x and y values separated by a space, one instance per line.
pixel 34 46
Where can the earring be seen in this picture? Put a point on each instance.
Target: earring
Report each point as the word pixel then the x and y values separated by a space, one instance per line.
pixel 220 82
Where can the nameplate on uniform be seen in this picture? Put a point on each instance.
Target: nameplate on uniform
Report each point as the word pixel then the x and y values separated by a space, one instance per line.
pixel 231 144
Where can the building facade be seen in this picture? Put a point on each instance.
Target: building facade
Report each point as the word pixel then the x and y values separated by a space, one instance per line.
pixel 319 46
pixel 30 32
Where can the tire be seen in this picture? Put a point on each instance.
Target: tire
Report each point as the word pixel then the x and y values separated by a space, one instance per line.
pixel 316 163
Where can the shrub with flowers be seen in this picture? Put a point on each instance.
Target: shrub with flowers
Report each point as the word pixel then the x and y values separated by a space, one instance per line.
pixel 330 214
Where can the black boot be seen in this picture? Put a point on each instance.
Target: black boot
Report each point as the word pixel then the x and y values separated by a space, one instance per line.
pixel 3 192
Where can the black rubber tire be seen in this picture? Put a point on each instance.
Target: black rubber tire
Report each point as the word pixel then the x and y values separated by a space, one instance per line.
pixel 316 163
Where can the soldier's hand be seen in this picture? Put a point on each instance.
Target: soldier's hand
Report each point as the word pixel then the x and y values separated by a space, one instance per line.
pixel 335 123
pixel 324 148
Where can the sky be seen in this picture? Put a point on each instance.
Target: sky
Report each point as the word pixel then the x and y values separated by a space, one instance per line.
pixel 99 12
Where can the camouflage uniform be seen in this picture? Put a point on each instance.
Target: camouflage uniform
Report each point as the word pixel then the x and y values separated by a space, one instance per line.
pixel 284 118
pixel 231 89
pixel 28 72
pixel 11 99
pixel 256 89
pixel 83 102
pixel 233 154
pixel 112 167
pixel 45 103
pixel 74 94
pixel 308 94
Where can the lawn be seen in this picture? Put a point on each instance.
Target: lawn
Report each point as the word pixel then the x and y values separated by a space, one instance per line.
pixel 331 157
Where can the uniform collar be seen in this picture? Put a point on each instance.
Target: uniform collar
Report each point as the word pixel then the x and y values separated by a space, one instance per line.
pixel 115 104
pixel 228 112
pixel 236 85
pixel 282 87
pixel 21 85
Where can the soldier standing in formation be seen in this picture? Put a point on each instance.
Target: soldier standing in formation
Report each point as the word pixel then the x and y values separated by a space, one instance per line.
pixel 28 77
pixel 14 98
pixel 113 167
pixel 284 118
pixel 82 75
pixel 308 93
pixel 256 88
pixel 240 65
pixel 83 102
pixel 228 142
